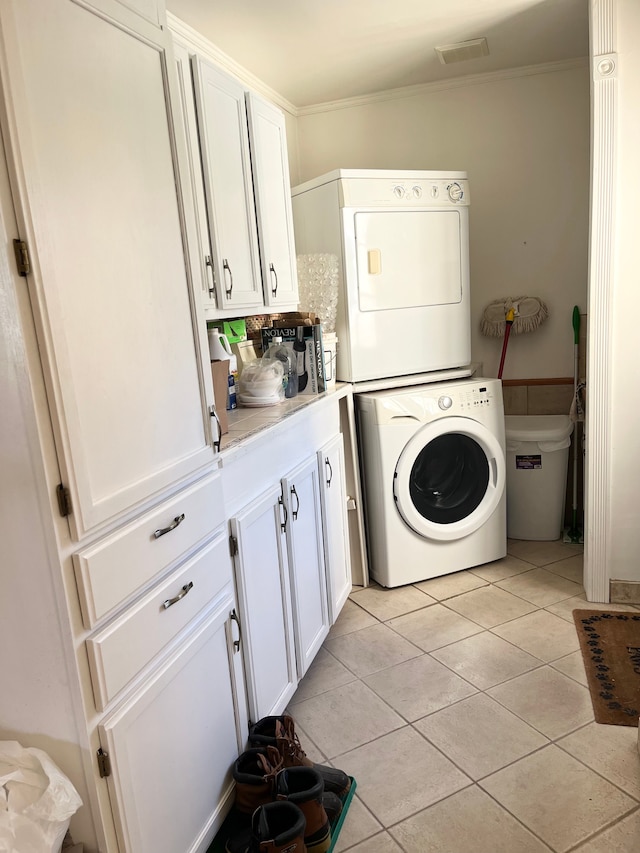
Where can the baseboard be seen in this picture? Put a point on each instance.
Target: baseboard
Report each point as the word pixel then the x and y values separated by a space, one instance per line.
pixel 624 592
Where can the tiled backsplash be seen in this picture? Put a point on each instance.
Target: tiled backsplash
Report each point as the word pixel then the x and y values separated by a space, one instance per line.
pixel 553 398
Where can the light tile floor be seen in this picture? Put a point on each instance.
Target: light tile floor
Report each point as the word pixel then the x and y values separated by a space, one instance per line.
pixel 460 706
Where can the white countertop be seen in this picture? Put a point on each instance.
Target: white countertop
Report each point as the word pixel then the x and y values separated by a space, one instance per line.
pixel 245 422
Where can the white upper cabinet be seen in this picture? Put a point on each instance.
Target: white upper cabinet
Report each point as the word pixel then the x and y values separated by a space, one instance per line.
pixel 186 114
pixel 268 143
pixel 95 175
pixel 239 173
pixel 226 168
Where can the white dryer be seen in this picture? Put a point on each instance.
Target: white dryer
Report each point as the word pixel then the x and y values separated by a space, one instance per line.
pixel 433 463
pixel 402 242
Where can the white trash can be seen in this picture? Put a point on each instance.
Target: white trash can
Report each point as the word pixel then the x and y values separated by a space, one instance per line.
pixel 537 458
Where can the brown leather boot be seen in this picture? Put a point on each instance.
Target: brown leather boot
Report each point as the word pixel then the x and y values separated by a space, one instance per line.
pixel 254 773
pixel 280 732
pixel 275 828
pixel 303 786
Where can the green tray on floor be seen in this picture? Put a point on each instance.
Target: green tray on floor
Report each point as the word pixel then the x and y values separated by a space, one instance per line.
pixel 232 824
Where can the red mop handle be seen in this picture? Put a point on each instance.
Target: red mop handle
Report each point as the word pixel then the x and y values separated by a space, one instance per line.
pixel 507 331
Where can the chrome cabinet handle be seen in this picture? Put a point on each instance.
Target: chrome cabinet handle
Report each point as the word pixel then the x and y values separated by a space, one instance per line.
pixel 283 524
pixel 170 601
pixel 297 509
pixel 234 618
pixel 225 266
pixel 328 464
pixel 214 414
pixel 162 530
pixel 272 269
pixel 209 262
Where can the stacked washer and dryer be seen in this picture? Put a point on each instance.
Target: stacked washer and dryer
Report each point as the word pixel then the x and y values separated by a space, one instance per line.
pixel 431 435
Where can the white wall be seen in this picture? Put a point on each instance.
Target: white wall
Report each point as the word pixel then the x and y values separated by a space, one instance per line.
pixel 525 143
pixel 625 409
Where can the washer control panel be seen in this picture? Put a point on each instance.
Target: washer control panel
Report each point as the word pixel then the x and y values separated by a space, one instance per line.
pixel 476 398
pixel 465 401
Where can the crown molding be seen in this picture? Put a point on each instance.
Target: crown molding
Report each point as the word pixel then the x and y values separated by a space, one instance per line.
pixel 443 85
pixel 195 41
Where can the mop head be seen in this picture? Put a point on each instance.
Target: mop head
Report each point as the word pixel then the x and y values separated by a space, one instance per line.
pixel 529 313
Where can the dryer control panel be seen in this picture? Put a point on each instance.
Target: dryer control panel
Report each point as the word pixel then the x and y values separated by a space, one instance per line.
pixel 435 192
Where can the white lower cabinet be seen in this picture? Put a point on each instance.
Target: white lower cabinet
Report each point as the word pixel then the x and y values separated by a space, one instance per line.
pixel 171 745
pixel 290 547
pixel 264 600
pixel 306 561
pixel 331 467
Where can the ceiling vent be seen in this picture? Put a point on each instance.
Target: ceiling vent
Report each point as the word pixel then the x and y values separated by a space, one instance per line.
pixel 463 50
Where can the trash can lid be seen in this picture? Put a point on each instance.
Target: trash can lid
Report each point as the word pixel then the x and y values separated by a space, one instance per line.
pixel 538 427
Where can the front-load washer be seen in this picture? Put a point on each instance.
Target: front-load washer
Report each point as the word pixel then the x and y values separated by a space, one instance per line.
pixel 433 466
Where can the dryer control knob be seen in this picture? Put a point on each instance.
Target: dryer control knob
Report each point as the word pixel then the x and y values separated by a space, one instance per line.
pixel 456 193
pixel 398 191
pixel 445 402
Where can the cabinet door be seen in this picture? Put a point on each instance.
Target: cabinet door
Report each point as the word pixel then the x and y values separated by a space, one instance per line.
pixel 334 524
pixel 306 562
pixel 187 114
pixel 226 167
pixel 95 177
pixel 271 182
pixel 173 743
pixel 264 601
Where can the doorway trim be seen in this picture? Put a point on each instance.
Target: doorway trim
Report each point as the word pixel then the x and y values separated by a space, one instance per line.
pixel 598 475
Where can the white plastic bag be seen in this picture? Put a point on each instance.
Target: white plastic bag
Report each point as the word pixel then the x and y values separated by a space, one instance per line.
pixel 36 801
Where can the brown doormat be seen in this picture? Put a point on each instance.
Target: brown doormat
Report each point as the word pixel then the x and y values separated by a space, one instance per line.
pixel 610 645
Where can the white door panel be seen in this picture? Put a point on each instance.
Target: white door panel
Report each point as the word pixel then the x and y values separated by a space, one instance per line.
pixel 408 259
pixel 97 182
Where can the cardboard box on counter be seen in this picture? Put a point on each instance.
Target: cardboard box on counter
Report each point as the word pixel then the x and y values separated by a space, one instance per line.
pixel 220 376
pixel 311 378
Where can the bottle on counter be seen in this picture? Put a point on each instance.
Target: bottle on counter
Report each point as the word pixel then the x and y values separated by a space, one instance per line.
pixel 300 349
pixel 280 351
pixel 220 350
pixel 232 400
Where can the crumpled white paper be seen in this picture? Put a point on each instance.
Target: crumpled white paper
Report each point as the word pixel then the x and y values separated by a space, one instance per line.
pixel 36 800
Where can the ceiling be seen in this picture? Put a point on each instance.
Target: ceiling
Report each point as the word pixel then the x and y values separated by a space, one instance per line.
pixel 317 51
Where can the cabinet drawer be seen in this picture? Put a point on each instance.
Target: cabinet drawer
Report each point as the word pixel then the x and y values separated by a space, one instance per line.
pixel 123 648
pixel 108 572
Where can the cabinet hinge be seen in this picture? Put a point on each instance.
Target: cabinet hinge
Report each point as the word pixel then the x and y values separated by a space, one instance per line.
pixel 233 545
pixel 104 763
pixel 23 261
pixel 64 500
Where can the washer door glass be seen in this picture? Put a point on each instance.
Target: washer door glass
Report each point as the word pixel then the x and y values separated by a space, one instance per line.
pixel 449 478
